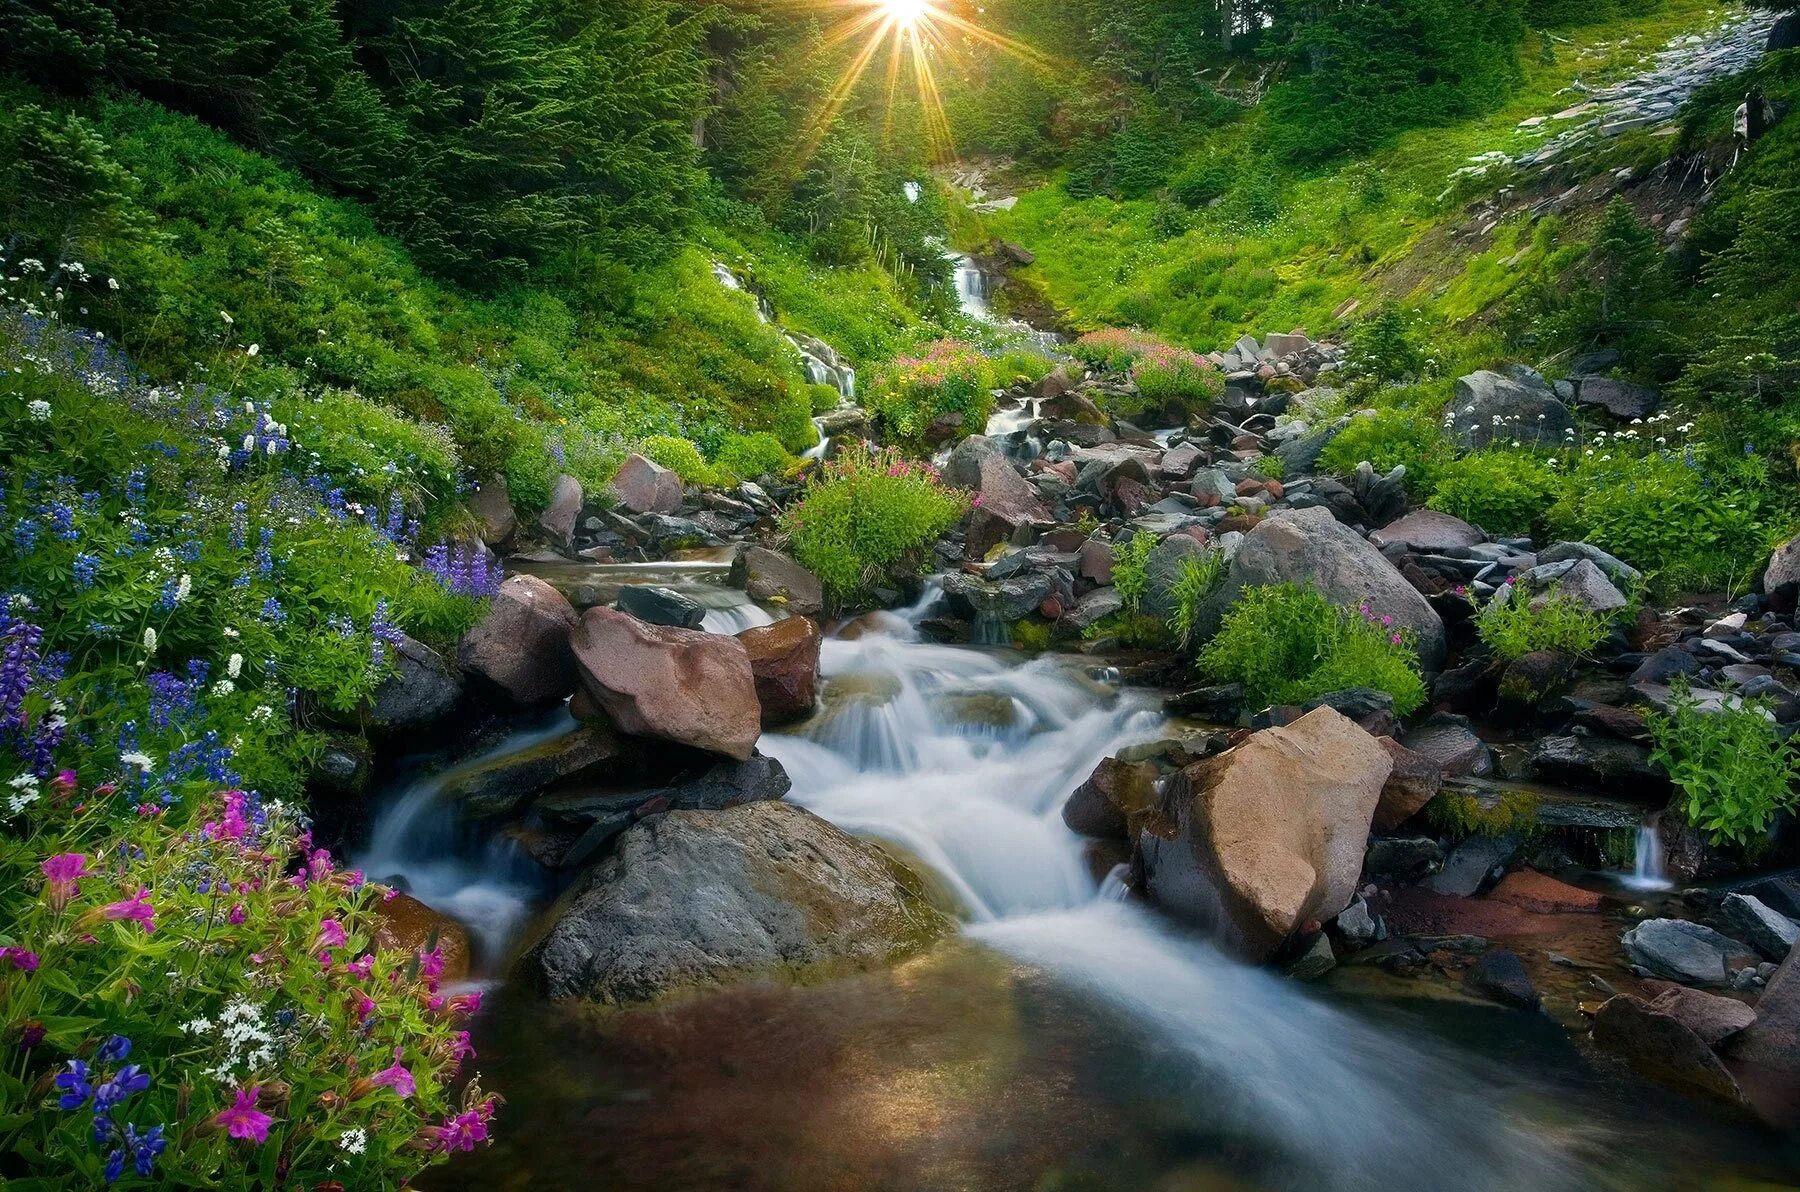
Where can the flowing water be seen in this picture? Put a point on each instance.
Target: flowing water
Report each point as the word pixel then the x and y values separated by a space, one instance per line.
pixel 1648 871
pixel 1069 1038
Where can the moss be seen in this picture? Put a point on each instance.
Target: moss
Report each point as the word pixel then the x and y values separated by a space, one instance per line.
pixel 1460 815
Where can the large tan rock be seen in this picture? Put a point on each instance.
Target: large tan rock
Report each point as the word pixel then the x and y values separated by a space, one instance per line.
pixel 522 645
pixel 1414 782
pixel 677 684
pixel 784 657
pixel 642 486
pixel 1264 837
pixel 407 926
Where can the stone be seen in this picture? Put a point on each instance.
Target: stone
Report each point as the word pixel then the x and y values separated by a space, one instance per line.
pixel 1414 781
pixel 1619 572
pixel 562 512
pixel 1449 740
pixel 1426 531
pixel 1011 599
pixel 1621 399
pixel 1784 566
pixel 1660 1048
pixel 1268 835
pixel 498 786
pixel 769 577
pixel 1471 864
pixel 784 658
pixel 1095 561
pixel 654 604
pixel 1005 501
pixel 1370 708
pixel 1164 571
pixel 676 684
pixel 1401 858
pixel 597 815
pixel 1687 952
pixel 707 898
pixel 522 645
pixel 1667 663
pixel 1592 364
pixel 422 688
pixel 1772 1042
pixel 643 486
pixel 1768 931
pixel 1585 585
pixel 1541 894
pixel 1309 546
pixel 492 506
pixel 1180 463
pixel 1499 976
pixel 406 926
pixel 1090 610
pixel 1315 961
pixel 1532 416
pixel 1711 1016
pixel 1586 762
pixel 1113 800
pixel 1278 344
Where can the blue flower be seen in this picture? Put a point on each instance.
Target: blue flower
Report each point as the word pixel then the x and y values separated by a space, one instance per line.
pixel 113 1050
pixel 115 1166
pixel 145 1147
pixel 126 1081
pixel 86 568
pixel 75 1085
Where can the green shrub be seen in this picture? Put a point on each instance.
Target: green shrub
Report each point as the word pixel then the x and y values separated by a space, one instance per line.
pixel 1503 492
pixel 1389 346
pixel 1131 568
pixel 1288 645
pixel 750 456
pixel 1733 767
pixel 679 456
pixel 948 379
pixel 1392 438
pixel 1176 379
pixel 1269 466
pixel 867 518
pixel 1512 627
pixel 1200 577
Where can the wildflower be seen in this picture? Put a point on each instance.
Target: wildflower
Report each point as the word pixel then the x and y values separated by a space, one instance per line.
pixel 234 666
pixel 331 934
pixel 39 410
pixel 112 283
pixel 354 1141
pixel 142 761
pixel 115 1164
pixel 134 909
pixel 75 1086
pixel 184 588
pixel 460 1132
pixel 242 1119
pixel 126 1081
pixel 227 317
pixel 223 688
pixel 145 1148
pixel 395 1076
pixel 149 640
pixel 22 959
pixel 252 350
pixel 114 1049
pixel 237 914
pixel 62 871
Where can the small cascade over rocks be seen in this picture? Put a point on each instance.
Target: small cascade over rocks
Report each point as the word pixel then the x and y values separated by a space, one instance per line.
pixel 824 366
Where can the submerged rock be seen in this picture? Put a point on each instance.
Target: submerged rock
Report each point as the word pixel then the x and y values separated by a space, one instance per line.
pixel 683 686
pixel 1499 976
pixel 1269 835
pixel 1660 1047
pixel 707 898
pixel 654 604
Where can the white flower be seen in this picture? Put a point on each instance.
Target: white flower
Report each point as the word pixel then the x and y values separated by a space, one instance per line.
pixel 112 283
pixel 269 447
pixel 17 803
pixel 252 350
pixel 229 632
pixel 223 688
pixel 149 640
pixel 234 666
pixel 249 442
pixel 39 410
pixel 184 588
pixel 142 761
pixel 24 782
pixel 196 1026
pixel 227 317
pixel 262 713
pixel 354 1141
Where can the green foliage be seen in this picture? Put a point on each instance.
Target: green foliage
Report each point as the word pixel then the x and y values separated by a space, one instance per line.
pixel 750 456
pixel 1288 645
pixel 1131 568
pixel 1391 438
pixel 1033 637
pixel 679 456
pixel 948 381
pixel 1170 380
pixel 1503 492
pixel 1269 466
pixel 867 518
pixel 1735 770
pixel 1390 346
pixel 1200 576
pixel 1512 626
pixel 1459 815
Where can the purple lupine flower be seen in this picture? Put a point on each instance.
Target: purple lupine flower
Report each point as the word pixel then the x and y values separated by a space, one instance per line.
pixel 145 1147
pixel 86 568
pixel 126 1081
pixel 75 1086
pixel 113 1050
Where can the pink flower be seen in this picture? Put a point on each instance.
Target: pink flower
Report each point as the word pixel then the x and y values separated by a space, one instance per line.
pixel 431 966
pixel 62 871
pixel 396 1077
pixel 462 1131
pixel 237 914
pixel 63 785
pixel 1387 619
pixel 331 934
pixel 466 1003
pixel 365 1006
pixel 133 909
pixel 460 1047
pixel 243 1119
pixel 362 964
pixel 1396 639
pixel 22 959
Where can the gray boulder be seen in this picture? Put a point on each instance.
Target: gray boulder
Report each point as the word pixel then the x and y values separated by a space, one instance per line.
pixel 657 605
pixel 1309 546
pixel 1429 532
pixel 1488 408
pixel 1007 600
pixel 1687 952
pixel 1621 399
pixel 1577 581
pixel 422 688
pixel 1620 573
pixel 769 577
pixel 1471 864
pixel 1769 932
pixel 706 898
pixel 1164 570
pixel 1662 1048
pixel 1449 740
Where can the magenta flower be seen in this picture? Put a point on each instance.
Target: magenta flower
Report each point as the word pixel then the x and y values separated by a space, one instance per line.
pixel 462 1131
pixel 237 914
pixel 133 909
pixel 242 1119
pixel 331 934
pixel 362 964
pixel 62 871
pixel 396 1077
pixel 21 958
pixel 460 1047
pixel 466 1003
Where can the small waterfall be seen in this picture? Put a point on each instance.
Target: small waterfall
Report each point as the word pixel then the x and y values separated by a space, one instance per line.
pixel 972 287
pixel 912 190
pixel 821 361
pixel 1648 870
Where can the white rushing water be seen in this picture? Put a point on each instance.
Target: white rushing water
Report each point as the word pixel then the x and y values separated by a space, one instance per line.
pixel 1649 866
pixel 964 761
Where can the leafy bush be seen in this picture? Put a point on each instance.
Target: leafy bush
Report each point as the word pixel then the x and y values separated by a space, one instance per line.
pixel 1199 578
pixel 206 990
pixel 750 456
pixel 867 518
pixel 1287 645
pixel 1389 346
pixel 1175 378
pixel 1735 770
pixel 1111 349
pixel 679 456
pixel 1512 626
pixel 1131 569
pixel 949 379
pixel 1389 439
pixel 1503 492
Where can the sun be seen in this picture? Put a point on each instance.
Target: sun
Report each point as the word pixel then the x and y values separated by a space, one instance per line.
pixel 906 13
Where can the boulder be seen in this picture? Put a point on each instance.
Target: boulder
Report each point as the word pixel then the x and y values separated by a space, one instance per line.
pixel 1309 546
pixel 591 818
pixel 492 506
pixel 1585 585
pixel 1768 931
pixel 1091 609
pixel 1621 573
pixel 1713 1017
pixel 1113 800
pixel 784 658
pixel 407 926
pixel 422 688
pixel 1268 835
pixel 769 577
pixel 676 684
pixel 1621 399
pixel 1660 1048
pixel 1448 740
pixel 1772 1042
pixel 704 898
pixel 1488 408
pixel 522 645
pixel 562 512
pixel 1588 762
pixel 1541 894
pixel 1427 531
pixel 1401 858
pixel 1471 864
pixel 1005 502
pixel 654 604
pixel 1690 953
pixel 1414 782
pixel 642 486
pixel 1005 601
pixel 1784 566
pixel 1163 572
pixel 496 786
pixel 1499 976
